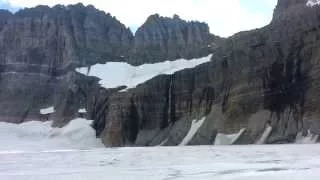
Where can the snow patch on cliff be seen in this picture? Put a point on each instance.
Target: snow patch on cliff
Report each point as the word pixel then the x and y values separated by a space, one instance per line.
pixel 308 139
pixel 116 74
pixel 265 135
pixel 227 139
pixel 196 124
pixel 83 110
pixel 48 110
pixel 35 135
pixel 312 3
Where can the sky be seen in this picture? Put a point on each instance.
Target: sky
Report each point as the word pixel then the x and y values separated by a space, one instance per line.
pixel 225 17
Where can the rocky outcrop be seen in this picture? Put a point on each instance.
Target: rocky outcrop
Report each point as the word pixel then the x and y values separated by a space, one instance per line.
pixel 257 80
pixel 162 38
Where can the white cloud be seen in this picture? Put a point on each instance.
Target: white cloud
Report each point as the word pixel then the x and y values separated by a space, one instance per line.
pixel 224 17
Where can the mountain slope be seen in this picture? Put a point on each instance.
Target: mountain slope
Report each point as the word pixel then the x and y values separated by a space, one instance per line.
pixel 257 80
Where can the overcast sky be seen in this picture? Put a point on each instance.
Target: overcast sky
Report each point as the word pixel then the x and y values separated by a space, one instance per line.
pixel 225 17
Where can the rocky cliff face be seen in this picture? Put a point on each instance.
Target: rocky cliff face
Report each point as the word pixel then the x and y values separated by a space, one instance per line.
pixel 257 80
pixel 161 38
pixel 41 47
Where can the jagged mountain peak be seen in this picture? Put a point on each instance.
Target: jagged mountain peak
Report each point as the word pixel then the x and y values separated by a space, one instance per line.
pixel 292 9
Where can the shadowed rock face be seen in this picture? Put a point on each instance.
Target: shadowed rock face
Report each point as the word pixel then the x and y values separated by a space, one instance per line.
pixel 257 78
pixel 161 38
pixel 39 49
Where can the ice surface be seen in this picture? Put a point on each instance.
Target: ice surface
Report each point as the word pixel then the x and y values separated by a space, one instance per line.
pixel 115 74
pixel 272 162
pixel 265 135
pixel 227 139
pixel 34 135
pixel 312 3
pixel 196 124
pixel 48 110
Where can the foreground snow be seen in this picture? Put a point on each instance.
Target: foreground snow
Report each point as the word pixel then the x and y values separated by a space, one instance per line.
pixel 278 162
pixel 115 74
pixel 36 151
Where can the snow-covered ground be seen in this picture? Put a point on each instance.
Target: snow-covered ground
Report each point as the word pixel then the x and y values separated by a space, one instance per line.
pixel 115 74
pixel 36 151
pixel 276 162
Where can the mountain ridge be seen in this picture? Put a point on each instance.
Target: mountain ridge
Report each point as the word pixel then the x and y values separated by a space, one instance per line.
pixel 260 85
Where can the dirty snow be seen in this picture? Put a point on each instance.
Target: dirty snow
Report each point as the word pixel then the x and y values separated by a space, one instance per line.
pixel 308 139
pixel 227 139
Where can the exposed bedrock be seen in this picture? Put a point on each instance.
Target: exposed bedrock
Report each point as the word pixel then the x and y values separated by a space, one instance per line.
pixel 41 47
pixel 260 80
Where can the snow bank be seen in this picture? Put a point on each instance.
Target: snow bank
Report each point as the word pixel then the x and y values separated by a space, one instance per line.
pixel 48 110
pixel 265 135
pixel 309 139
pixel 196 124
pixel 115 74
pixel 34 135
pixel 273 162
pixel 312 3
pixel 227 139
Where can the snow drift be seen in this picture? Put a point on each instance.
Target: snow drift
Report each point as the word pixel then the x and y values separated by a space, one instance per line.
pixel 116 74
pixel 308 139
pixel 228 139
pixel 265 135
pixel 196 124
pixel 35 135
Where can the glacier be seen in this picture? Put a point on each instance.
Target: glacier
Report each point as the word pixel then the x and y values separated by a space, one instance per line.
pixel 116 74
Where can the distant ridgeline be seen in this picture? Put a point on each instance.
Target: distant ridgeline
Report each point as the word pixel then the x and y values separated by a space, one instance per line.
pixel 170 83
